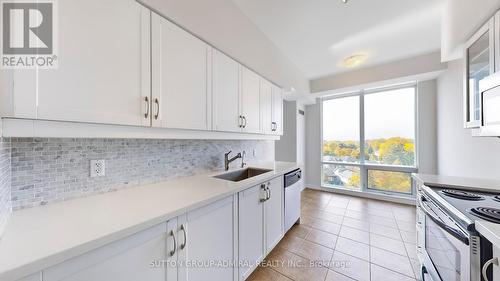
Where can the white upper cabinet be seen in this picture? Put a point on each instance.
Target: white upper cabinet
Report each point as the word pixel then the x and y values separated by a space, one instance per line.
pixel 103 74
pixel 250 100
pixel 479 61
pixel 266 106
pixel 277 110
pixel 180 64
pixel 226 93
pixel 274 208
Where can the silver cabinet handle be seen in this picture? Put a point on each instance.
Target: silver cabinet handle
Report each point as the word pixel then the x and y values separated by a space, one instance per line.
pixel 183 245
pixel 263 187
pixel 269 191
pixel 146 99
pixel 486 265
pixel 245 122
pixel 175 243
pixel 240 121
pixel 157 102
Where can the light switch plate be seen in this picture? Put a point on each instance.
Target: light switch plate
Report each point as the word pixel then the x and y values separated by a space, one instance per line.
pixel 97 168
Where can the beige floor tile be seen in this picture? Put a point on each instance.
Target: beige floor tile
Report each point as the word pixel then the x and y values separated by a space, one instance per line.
pixel 389 222
pixel 296 267
pixel 355 234
pixel 385 231
pixel 353 248
pixel 334 276
pixel 290 243
pixel 307 220
pixel 363 215
pixel 314 213
pixel 383 212
pixel 383 274
pixel 357 224
pixel 267 274
pixel 416 268
pixel 390 260
pixel 327 226
pixel 347 265
pixel 409 237
pixel 406 226
pixel 327 216
pixel 299 230
pixel 386 243
pixel 335 210
pixel 323 238
pixel 411 249
pixel 315 252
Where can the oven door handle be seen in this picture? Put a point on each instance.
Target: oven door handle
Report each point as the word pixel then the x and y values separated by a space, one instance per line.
pixel 455 233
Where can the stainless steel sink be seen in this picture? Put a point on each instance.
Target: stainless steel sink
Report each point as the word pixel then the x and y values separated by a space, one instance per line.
pixel 240 175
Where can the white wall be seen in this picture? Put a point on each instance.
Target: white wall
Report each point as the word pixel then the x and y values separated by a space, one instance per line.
pixel 286 147
pixel 427 139
pixel 460 154
pixel 313 146
pixel 222 24
pixel 427 129
pixel 459 20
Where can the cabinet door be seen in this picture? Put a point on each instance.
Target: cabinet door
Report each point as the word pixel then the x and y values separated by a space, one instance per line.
pixel 479 63
pixel 180 72
pixel 266 107
pixel 250 100
pixel 226 93
pixel 103 74
pixel 207 236
pixel 278 110
pixel 497 41
pixel 273 210
pixel 138 257
pixel 250 229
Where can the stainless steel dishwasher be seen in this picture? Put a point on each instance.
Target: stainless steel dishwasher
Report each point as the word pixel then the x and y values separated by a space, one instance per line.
pixel 293 187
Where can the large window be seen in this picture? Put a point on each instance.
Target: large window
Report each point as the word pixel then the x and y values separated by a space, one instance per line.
pixel 369 140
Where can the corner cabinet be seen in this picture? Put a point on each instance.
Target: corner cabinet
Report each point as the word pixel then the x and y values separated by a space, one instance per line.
pixel 479 62
pixel 98 80
pixel 261 223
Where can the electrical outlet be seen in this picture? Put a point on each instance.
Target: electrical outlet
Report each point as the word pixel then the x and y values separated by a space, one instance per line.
pixel 97 168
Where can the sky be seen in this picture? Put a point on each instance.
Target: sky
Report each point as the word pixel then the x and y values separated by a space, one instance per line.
pixel 387 114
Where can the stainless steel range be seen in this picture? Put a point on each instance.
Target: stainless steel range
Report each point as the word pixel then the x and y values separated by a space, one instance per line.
pixel 448 244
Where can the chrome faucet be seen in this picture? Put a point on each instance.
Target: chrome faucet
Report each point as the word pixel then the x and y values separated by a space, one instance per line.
pixel 227 160
pixel 243 159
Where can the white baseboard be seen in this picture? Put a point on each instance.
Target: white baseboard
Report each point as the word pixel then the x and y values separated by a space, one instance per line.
pixel 369 195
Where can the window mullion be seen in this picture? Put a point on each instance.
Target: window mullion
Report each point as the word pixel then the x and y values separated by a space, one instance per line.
pixel 364 174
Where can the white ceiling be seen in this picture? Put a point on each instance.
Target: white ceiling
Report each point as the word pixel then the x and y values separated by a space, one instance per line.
pixel 317 35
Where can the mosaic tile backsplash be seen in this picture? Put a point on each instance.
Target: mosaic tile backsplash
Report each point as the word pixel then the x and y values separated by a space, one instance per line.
pixel 5 200
pixel 50 170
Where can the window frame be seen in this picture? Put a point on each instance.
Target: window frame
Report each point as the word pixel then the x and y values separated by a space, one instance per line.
pixel 364 166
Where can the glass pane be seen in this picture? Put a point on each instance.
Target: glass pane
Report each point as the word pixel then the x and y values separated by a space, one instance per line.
pixel 390 127
pixel 341 176
pixel 389 181
pixel 479 68
pixel 341 130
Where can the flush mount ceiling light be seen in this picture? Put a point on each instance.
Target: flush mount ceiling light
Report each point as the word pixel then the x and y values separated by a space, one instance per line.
pixel 344 1
pixel 354 60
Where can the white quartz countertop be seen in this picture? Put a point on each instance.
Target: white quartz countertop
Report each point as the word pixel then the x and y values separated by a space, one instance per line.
pixel 40 237
pixel 484 185
pixel 489 230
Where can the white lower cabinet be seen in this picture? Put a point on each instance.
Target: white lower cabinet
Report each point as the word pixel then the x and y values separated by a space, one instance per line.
pixel 129 259
pixel 260 223
pixel 223 241
pixel 207 237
